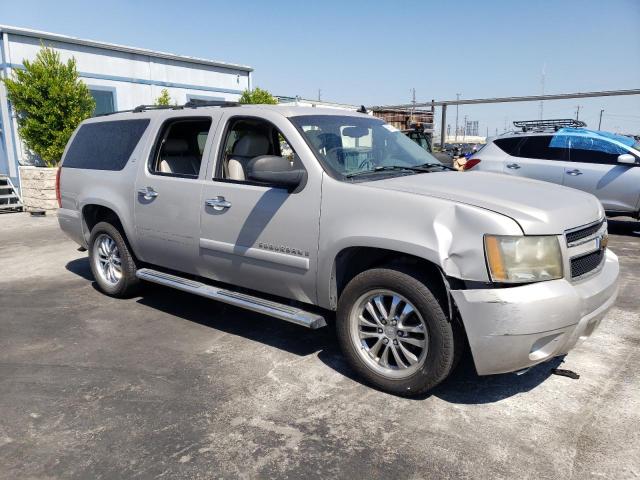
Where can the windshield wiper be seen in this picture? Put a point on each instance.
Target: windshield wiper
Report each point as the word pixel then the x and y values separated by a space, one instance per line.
pixel 423 168
pixel 429 165
pixel 386 168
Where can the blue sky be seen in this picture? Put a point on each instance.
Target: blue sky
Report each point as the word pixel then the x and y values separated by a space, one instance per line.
pixel 374 52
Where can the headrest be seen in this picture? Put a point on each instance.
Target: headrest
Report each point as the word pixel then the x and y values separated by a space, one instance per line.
pixel 175 146
pixel 251 144
pixel 314 138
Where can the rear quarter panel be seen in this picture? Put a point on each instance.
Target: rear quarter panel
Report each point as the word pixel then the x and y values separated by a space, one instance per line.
pixel 491 157
pixel 114 189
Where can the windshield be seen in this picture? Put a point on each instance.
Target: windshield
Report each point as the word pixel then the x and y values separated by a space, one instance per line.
pixel 421 139
pixel 350 146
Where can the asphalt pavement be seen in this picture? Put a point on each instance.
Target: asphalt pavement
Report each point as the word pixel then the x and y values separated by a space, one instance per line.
pixel 169 385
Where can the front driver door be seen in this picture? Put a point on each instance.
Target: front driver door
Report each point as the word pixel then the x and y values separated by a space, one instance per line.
pixel 256 236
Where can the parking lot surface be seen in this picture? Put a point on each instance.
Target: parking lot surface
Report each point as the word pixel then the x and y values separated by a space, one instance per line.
pixel 169 385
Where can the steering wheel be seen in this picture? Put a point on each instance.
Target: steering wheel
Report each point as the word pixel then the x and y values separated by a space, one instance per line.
pixel 366 164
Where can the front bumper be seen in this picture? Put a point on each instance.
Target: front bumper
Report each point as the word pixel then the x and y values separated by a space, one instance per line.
pixel 510 329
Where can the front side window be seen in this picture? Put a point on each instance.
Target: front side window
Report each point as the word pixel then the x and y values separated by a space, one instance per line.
pixel 349 146
pixel 586 149
pixel 179 149
pixel 246 139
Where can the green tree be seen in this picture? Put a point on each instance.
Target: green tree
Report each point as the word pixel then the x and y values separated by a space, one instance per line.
pixel 164 98
pixel 50 101
pixel 258 95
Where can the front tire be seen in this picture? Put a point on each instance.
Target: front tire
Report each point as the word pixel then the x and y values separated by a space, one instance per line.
pixel 394 333
pixel 112 263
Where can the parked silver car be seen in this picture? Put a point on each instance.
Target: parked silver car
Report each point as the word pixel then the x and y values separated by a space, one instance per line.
pixel 601 163
pixel 300 212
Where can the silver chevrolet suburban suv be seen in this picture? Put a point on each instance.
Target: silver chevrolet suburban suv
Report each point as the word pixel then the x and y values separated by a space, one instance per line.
pixel 300 212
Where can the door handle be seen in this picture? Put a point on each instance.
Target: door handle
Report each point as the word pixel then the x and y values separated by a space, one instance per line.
pixel 218 203
pixel 574 172
pixel 513 166
pixel 148 193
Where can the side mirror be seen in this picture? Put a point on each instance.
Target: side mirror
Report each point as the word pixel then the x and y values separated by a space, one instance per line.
pixel 627 159
pixel 276 171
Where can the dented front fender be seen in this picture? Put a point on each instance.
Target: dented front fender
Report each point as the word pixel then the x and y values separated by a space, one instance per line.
pixel 458 231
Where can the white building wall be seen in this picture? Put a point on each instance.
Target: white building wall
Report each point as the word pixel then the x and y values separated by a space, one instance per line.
pixel 135 77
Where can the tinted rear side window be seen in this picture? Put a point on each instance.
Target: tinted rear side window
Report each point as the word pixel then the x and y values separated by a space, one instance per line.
pixel 508 145
pixel 105 145
pixel 541 147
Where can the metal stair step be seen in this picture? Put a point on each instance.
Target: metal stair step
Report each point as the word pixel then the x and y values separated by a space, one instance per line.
pixel 242 300
pixel 9 194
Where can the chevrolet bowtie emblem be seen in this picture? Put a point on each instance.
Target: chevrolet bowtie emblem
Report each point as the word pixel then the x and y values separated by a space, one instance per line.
pixel 602 241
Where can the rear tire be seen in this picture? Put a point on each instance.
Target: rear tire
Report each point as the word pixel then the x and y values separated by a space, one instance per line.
pixel 112 263
pixel 394 333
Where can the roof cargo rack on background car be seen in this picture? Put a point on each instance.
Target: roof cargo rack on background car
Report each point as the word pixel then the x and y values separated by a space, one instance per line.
pixel 545 125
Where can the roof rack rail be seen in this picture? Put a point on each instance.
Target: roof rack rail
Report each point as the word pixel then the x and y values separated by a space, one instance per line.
pixel 553 124
pixel 144 108
pixel 195 103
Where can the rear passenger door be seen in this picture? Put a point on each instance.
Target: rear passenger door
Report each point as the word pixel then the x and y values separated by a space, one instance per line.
pixel 594 168
pixel 167 193
pixel 539 157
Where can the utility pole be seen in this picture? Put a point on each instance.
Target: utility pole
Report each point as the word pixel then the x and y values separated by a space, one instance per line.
pixel 600 121
pixel 457 106
pixel 544 68
pixel 319 95
pixel 487 132
pixel 464 132
pixel 577 112
pixel 413 102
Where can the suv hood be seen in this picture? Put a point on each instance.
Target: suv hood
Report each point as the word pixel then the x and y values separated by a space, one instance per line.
pixel 540 208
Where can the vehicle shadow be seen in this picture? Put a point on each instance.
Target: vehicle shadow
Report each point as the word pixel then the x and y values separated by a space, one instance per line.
pixel 624 226
pixel 464 386
pixel 81 267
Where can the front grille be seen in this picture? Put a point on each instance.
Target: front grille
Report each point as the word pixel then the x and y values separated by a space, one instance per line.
pixel 586 263
pixel 576 235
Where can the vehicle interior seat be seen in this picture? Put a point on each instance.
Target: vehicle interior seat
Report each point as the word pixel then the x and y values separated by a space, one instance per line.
pixel 252 144
pixel 176 157
pixel 315 139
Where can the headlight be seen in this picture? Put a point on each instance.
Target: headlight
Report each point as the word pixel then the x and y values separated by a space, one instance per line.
pixel 523 259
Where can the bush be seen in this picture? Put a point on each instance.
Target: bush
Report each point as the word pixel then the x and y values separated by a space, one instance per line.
pixel 164 98
pixel 258 95
pixel 50 101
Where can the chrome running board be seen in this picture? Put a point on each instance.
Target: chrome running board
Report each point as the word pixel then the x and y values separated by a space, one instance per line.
pixel 242 300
